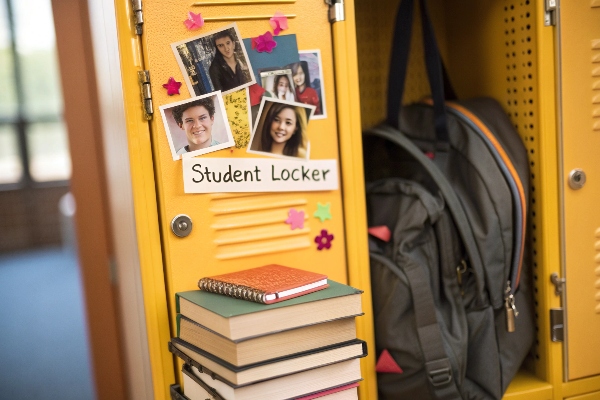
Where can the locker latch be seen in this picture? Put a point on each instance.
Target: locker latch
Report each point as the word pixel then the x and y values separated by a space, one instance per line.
pixel 144 81
pixel 550 12
pixel 336 10
pixel 557 325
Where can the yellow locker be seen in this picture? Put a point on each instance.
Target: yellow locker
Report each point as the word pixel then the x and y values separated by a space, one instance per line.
pixel 231 231
pixel 537 57
pixel 579 48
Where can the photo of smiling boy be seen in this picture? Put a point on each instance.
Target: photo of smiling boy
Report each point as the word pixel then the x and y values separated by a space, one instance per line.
pixel 197 126
pixel 196 119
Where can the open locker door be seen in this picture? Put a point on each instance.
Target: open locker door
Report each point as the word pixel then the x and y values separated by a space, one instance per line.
pixel 297 219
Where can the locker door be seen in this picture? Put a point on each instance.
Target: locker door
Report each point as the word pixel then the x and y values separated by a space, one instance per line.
pixel 580 113
pixel 230 230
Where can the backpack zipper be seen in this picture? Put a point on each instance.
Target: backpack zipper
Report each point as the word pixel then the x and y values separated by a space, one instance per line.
pixel 519 202
pixel 515 184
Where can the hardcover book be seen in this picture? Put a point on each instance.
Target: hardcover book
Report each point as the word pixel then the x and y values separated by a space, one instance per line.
pixel 238 319
pixel 266 347
pixel 302 384
pixel 269 369
pixel 267 284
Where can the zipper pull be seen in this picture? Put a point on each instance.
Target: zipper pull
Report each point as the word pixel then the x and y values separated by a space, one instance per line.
pixel 511 309
pixel 510 315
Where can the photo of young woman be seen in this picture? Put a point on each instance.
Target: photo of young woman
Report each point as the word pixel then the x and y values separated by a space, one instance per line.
pixel 281 129
pixel 282 88
pixel 304 92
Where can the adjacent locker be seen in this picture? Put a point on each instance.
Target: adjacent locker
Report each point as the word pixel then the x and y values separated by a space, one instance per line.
pixel 579 45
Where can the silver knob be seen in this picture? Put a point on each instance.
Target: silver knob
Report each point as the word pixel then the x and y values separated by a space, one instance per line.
pixel 576 179
pixel 181 225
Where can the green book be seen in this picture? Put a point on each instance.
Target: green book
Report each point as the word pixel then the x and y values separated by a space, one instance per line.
pixel 238 319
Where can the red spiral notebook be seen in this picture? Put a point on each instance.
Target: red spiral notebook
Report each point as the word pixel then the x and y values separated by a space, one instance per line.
pixel 267 284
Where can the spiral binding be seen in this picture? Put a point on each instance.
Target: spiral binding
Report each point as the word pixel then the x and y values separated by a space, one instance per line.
pixel 232 290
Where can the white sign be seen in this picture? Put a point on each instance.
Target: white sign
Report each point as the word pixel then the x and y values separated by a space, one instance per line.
pixel 214 175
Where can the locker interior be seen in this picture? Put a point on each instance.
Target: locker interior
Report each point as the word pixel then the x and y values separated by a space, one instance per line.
pixel 500 49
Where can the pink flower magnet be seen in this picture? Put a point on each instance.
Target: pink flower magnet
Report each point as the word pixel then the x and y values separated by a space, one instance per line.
pixel 295 219
pixel 172 86
pixel 278 22
pixel 324 240
pixel 265 43
pixel 194 21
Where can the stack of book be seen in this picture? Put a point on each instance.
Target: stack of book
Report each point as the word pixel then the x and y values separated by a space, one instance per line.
pixel 301 345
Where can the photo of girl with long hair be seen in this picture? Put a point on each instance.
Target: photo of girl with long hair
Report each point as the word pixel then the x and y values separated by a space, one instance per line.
pixel 304 92
pixel 281 129
pixel 283 88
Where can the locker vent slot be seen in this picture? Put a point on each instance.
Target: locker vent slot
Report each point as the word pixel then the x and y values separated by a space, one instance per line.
pixel 221 10
pixel 234 18
pixel 253 224
pixel 596 83
pixel 239 2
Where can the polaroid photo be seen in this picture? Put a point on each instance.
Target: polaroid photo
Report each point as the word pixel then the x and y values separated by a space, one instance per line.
pixel 308 80
pixel 197 126
pixel 214 61
pixel 278 83
pixel 280 129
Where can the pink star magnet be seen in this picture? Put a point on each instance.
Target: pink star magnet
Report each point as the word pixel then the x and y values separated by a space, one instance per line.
pixel 172 86
pixel 295 219
pixel 265 43
pixel 194 21
pixel 278 22
pixel 324 240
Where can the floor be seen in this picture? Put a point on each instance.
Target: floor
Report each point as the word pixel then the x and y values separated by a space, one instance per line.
pixel 43 346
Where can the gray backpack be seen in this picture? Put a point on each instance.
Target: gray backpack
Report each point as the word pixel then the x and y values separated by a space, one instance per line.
pixel 447 198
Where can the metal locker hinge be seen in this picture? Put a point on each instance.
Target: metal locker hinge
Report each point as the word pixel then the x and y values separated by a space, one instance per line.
pixel 559 283
pixel 550 12
pixel 557 325
pixel 336 10
pixel 144 80
pixel 138 17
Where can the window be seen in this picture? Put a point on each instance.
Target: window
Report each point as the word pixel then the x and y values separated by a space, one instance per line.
pixel 33 136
